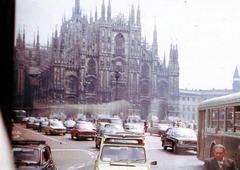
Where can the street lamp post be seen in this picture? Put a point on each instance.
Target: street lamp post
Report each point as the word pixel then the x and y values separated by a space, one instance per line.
pixel 117 75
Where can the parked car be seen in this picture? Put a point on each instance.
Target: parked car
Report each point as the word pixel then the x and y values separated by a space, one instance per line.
pixel 43 126
pixel 83 130
pixel 55 127
pixel 24 120
pixel 32 154
pixel 114 119
pixel 179 139
pixel 123 151
pixel 116 127
pixel 69 124
pixel 101 133
pixel 35 126
pixel 158 129
pixel 100 125
pixel 134 128
pixel 30 122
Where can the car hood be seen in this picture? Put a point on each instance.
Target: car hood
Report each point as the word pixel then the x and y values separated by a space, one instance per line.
pixel 135 130
pixel 54 127
pixel 26 167
pixel 85 130
pixel 186 139
pixel 121 166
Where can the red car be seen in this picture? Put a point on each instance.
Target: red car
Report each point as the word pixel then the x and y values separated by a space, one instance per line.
pixel 83 130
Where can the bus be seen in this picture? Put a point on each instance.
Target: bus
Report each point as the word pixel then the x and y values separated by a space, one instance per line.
pixel 18 115
pixel 219 123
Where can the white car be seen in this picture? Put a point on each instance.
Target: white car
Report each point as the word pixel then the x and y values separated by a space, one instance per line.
pixel 123 151
pixel 134 128
pixel 55 127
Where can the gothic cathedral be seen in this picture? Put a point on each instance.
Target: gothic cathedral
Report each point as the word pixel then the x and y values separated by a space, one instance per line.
pixel 100 65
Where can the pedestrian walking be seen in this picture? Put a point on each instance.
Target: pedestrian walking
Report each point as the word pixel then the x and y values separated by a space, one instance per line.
pixel 218 161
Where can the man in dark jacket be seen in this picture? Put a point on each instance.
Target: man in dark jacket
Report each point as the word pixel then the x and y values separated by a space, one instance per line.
pixel 219 162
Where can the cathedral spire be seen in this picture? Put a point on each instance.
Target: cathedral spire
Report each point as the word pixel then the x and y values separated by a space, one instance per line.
pixel 155 44
pixel 155 33
pixel 109 12
pixel 103 11
pixel 91 18
pixel 23 36
pixel 138 16
pixel 236 74
pixel 76 7
pixel 236 80
pixel 38 44
pixel 96 14
pixel 132 15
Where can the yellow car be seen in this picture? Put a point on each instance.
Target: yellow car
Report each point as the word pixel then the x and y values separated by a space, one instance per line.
pixel 121 151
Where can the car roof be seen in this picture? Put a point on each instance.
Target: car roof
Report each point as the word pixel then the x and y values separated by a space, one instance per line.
pixel 31 143
pixel 124 138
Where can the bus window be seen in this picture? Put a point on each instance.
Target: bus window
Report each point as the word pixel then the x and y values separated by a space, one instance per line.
pixel 215 118
pixel 229 119
pixel 237 121
pixel 221 119
pixel 208 118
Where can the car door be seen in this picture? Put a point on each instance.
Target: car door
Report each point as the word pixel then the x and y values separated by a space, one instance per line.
pixel 47 128
pixel 74 130
pixel 168 137
pixel 47 159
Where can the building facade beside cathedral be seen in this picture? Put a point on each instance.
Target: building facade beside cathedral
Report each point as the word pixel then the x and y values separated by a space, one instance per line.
pixel 97 66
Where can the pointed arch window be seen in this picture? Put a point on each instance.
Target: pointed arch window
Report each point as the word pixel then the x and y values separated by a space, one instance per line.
pixel 161 91
pixel 145 70
pixel 91 67
pixel 71 83
pixel 145 89
pixel 119 45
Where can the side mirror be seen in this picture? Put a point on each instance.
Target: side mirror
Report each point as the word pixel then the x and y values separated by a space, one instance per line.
pixel 153 163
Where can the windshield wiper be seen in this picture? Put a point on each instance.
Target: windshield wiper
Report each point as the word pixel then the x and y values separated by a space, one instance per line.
pixel 136 160
pixel 25 161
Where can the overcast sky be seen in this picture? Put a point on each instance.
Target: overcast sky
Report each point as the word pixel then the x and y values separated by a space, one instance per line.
pixel 207 32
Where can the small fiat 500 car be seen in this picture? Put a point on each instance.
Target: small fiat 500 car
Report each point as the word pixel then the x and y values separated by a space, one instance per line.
pixel 100 135
pixel 55 127
pixel 83 130
pixel 69 124
pixel 134 128
pixel 158 129
pixel 123 151
pixel 179 139
pixel 32 154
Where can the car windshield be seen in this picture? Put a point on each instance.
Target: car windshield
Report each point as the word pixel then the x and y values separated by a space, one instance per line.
pixel 162 126
pixel 116 121
pixel 134 126
pixel 44 123
pixel 85 126
pixel 108 131
pixel 116 127
pixel 184 133
pixel 57 123
pixel 26 155
pixel 129 154
pixel 70 122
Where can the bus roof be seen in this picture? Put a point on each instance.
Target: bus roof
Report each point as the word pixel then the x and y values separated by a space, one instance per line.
pixel 222 100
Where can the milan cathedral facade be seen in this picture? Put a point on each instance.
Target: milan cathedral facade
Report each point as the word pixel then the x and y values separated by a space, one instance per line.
pixel 97 65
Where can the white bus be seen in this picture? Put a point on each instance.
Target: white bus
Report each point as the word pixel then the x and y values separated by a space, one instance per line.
pixel 219 123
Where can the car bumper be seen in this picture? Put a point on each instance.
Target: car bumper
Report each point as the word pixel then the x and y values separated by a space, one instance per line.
pixel 86 136
pixel 187 147
pixel 58 131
